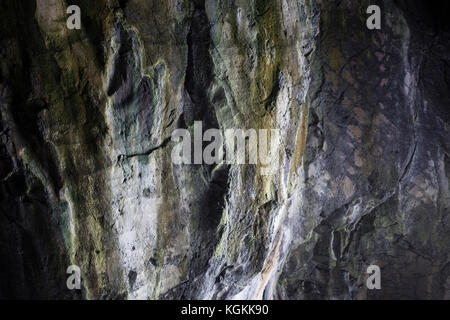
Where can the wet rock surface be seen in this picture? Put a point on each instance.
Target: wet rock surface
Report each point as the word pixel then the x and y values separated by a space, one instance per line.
pixel 363 170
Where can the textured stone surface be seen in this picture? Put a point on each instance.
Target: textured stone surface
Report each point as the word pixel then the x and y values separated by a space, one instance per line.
pixel 86 175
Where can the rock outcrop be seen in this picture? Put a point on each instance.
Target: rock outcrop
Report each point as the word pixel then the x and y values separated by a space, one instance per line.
pixel 87 176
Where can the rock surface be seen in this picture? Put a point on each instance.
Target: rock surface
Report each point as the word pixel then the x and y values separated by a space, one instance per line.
pixel 86 171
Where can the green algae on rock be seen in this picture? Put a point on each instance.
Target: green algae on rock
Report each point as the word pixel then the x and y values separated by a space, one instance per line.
pixel 87 176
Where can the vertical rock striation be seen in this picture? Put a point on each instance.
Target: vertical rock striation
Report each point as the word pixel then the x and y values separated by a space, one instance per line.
pixel 87 176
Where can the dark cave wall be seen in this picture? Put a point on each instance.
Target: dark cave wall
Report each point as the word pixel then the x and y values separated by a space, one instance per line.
pixel 377 121
pixel 86 176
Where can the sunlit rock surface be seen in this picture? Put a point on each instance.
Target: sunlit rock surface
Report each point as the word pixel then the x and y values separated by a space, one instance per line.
pixel 87 177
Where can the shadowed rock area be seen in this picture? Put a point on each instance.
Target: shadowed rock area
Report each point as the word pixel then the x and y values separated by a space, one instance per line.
pixel 87 176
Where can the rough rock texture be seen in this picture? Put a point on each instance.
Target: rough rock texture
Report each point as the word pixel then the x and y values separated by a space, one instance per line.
pixel 86 171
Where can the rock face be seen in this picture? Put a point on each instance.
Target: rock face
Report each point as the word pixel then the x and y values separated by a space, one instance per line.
pixel 87 176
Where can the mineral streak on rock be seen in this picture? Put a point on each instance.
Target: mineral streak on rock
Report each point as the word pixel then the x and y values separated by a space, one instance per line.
pixel 87 177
